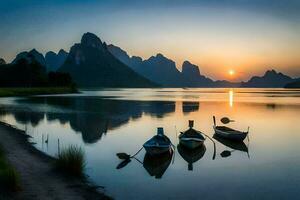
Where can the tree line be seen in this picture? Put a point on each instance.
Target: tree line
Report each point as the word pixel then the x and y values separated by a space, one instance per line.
pixel 32 74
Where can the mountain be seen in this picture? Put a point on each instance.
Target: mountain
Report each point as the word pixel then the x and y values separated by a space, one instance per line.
pixel 134 62
pixel 92 65
pixel 54 61
pixel 30 57
pixel 157 67
pixel 2 61
pixel 271 78
pixel 193 78
pixel 161 70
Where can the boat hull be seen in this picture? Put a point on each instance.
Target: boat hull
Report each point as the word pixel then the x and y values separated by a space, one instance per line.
pixel 191 143
pixel 157 150
pixel 236 136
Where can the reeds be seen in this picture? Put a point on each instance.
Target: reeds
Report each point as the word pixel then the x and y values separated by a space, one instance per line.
pixel 71 161
pixel 9 178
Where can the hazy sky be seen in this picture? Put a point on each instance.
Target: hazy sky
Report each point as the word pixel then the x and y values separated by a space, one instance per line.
pixel 248 36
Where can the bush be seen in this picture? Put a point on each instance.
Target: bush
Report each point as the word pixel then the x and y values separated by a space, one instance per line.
pixel 71 161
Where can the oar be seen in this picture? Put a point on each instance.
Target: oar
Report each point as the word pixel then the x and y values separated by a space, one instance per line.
pixel 123 164
pixel 125 156
pixel 226 120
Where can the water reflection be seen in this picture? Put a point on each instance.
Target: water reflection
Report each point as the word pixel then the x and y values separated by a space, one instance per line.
pixel 191 155
pixel 157 165
pixel 231 98
pixel 91 117
pixel 234 145
pixel 188 107
pixel 104 127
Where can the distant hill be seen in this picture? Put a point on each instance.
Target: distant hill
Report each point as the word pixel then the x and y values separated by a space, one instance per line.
pixel 54 61
pixel 92 65
pixel 31 56
pixel 271 78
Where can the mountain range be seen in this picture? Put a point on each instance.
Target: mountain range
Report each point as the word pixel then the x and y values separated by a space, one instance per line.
pixel 92 63
pixel 163 70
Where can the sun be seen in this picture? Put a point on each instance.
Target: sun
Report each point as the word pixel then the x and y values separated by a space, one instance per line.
pixel 231 72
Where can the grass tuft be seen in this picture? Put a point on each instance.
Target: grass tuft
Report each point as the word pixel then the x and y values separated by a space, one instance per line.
pixel 71 161
pixel 9 178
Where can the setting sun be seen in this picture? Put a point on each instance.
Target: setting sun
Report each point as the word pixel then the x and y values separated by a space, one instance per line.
pixel 231 72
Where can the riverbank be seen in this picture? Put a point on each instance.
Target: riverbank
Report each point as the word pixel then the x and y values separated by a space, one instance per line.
pixel 38 179
pixel 9 92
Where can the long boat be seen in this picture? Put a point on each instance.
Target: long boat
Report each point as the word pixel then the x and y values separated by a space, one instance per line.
pixel 191 138
pixel 229 133
pixel 158 144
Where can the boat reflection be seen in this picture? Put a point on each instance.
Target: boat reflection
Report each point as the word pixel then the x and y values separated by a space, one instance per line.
pixel 234 145
pixel 157 165
pixel 191 155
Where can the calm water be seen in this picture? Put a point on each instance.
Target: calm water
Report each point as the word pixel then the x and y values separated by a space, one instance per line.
pixel 105 122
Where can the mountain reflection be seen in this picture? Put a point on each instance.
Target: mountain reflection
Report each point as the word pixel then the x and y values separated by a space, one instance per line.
pixel 188 107
pixel 91 116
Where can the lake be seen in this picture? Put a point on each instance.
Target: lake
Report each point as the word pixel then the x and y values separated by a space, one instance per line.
pixel 105 122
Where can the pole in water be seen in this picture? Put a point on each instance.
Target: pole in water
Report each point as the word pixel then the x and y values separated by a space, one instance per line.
pixel 43 141
pixel 58 146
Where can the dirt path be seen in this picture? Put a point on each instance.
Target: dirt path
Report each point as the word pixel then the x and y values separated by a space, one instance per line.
pixel 38 179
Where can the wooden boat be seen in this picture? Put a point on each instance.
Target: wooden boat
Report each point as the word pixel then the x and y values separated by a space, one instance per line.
pixel 191 138
pixel 229 133
pixel 191 155
pixel 158 144
pixel 157 165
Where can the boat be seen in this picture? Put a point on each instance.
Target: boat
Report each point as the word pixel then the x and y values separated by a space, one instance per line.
pixel 191 138
pixel 157 165
pixel 158 144
pixel 229 133
pixel 191 155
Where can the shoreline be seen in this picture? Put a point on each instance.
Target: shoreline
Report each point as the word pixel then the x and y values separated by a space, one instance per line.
pixel 38 178
pixel 23 91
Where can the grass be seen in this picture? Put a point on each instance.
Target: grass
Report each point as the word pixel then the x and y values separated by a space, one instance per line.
pixel 8 92
pixel 9 178
pixel 71 161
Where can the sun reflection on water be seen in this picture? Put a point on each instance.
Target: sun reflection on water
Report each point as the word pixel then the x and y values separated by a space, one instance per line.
pixel 231 98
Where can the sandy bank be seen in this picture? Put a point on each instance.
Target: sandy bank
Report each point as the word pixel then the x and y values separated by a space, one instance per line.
pixel 38 178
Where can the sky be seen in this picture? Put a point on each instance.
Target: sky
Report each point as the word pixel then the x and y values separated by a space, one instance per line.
pixel 246 37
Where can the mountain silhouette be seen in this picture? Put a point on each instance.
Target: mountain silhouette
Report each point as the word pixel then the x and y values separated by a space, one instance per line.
pixel 54 61
pixel 163 70
pixel 271 78
pixel 2 61
pixel 193 78
pixel 30 57
pixel 133 62
pixel 92 65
